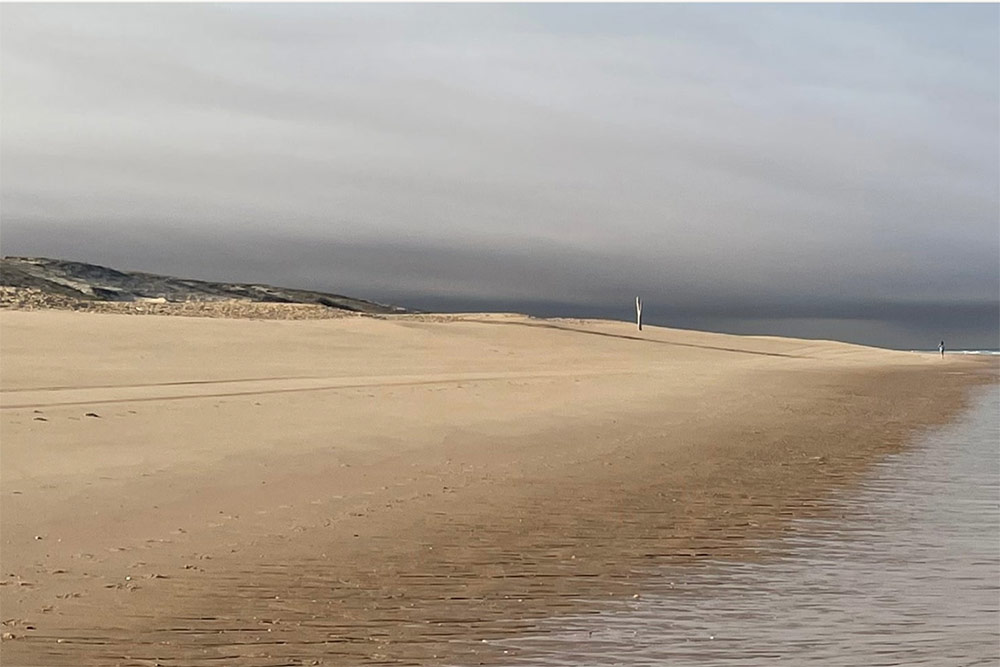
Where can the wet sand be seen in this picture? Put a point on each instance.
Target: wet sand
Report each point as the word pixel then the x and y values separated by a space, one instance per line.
pixel 898 568
pixel 208 491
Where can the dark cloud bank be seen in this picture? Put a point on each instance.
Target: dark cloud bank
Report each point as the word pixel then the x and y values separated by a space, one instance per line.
pixel 820 171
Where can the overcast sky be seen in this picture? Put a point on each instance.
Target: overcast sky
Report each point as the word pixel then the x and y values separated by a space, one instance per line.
pixel 817 170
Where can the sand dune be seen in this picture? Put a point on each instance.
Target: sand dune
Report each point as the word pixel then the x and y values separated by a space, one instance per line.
pixel 208 491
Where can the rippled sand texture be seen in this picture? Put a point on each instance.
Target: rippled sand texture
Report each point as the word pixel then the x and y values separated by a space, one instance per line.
pixel 902 568
pixel 186 491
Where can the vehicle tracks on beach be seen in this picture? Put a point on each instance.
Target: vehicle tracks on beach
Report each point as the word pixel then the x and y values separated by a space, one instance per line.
pixel 53 397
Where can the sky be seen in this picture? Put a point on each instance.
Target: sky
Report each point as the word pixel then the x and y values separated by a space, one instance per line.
pixel 825 171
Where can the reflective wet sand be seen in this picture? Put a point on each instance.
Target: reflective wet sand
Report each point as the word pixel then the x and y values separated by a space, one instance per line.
pixel 902 570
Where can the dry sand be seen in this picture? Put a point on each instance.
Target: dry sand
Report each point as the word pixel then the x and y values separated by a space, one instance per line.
pixel 188 491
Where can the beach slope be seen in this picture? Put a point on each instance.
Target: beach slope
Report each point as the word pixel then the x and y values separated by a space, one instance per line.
pixel 197 491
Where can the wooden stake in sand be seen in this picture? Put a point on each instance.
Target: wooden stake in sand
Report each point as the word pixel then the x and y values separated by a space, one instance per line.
pixel 638 313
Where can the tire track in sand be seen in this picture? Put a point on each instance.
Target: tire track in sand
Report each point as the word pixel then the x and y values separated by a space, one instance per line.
pixel 63 397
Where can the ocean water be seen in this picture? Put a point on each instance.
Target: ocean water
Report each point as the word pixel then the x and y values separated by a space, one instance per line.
pixel 904 570
pixel 983 352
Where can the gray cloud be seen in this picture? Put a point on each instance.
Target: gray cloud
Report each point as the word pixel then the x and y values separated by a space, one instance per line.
pixel 750 163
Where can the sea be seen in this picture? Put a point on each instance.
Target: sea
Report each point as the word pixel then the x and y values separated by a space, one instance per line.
pixel 903 570
pixel 985 352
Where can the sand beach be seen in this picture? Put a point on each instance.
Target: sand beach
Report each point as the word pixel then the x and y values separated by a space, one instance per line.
pixel 402 489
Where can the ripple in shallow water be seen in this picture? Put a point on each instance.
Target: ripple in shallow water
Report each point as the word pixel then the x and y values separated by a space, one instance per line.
pixel 908 573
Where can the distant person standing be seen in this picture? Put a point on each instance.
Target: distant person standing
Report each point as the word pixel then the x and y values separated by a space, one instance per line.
pixel 941 348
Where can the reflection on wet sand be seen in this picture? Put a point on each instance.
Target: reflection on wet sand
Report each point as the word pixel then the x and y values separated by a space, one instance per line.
pixel 905 569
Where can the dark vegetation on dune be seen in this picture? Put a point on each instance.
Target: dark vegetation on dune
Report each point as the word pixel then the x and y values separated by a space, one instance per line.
pixel 90 282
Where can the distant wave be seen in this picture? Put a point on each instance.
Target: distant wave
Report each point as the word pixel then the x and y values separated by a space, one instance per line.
pixel 996 352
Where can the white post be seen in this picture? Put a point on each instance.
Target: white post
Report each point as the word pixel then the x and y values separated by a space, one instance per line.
pixel 638 313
